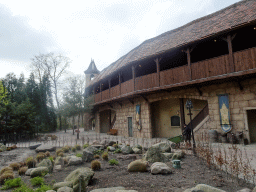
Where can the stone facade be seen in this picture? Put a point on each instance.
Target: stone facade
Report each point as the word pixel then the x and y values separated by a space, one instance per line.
pixel 239 102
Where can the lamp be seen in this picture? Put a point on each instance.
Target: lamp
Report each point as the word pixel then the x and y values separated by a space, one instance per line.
pixel 189 106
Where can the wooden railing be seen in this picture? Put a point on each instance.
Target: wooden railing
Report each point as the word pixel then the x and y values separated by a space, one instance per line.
pixel 200 117
pixel 97 97
pixel 105 95
pixel 210 67
pixel 127 87
pixel 146 81
pixel 245 59
pixel 115 91
pixel 174 75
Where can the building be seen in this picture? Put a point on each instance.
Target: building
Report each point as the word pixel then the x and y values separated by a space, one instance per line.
pixel 211 60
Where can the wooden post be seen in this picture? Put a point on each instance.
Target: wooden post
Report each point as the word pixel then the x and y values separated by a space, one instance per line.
pixel 188 51
pixel 100 91
pixel 157 60
pixel 109 86
pixel 230 51
pixel 120 83
pixel 182 115
pixel 133 77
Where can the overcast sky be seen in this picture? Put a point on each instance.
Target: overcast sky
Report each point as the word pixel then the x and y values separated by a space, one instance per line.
pixel 103 30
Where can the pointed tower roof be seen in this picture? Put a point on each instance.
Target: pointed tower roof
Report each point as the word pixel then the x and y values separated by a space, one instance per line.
pixel 92 69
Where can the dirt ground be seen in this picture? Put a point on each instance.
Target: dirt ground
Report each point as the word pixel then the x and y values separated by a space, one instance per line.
pixel 194 171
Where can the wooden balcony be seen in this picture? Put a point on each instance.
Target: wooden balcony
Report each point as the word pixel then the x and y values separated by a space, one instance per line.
pixel 207 70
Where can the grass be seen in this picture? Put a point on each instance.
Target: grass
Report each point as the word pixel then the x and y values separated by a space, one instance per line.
pixel 12 183
pixel 113 162
pixel 37 181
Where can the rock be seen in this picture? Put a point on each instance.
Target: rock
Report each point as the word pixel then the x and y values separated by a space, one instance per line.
pixel 138 146
pixel 74 160
pixel 203 188
pixel 57 167
pixel 44 148
pixel 164 147
pixel 168 155
pixel 111 148
pixel 39 171
pixel 28 172
pixel 85 174
pixel 177 155
pixel 137 166
pixel 65 189
pixel 106 143
pixel 56 186
pixel 35 146
pixel 2 147
pixel 46 163
pixel 126 150
pixel 245 190
pixel 137 150
pixel 160 168
pixel 87 156
pixel 193 190
pixel 59 161
pixel 50 191
pixel 154 154
pixel 95 142
pixel 126 191
pixel 254 189
pixel 99 147
pixel 111 189
pixel 127 157
pixel 91 149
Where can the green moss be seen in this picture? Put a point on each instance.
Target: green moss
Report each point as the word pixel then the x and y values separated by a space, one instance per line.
pixel 12 183
pixel 113 162
pixel 37 181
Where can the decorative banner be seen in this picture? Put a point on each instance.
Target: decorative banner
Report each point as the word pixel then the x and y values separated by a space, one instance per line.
pixel 137 118
pixel 224 113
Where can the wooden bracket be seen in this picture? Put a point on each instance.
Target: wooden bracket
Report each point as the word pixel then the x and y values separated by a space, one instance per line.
pixel 199 91
pixel 145 98
pixel 131 101
pixel 238 81
pixel 111 106
pixel 121 105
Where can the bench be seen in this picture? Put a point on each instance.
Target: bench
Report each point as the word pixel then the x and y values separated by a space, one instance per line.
pixel 112 132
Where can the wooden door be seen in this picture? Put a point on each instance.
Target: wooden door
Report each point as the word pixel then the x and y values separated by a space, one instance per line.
pixel 130 126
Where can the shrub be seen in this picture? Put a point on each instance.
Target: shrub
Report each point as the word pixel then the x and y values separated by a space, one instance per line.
pixel 117 150
pixel 96 156
pixel 24 188
pixel 8 149
pixel 95 165
pixel 115 145
pixel 51 158
pixel 113 162
pixel 86 145
pixel 108 149
pixel 79 155
pixel 61 154
pixel 13 147
pixel 37 181
pixel 105 156
pixel 54 137
pixel 40 157
pixel 73 149
pixel 15 166
pixel 59 151
pixel 17 182
pixel 43 188
pixel 65 149
pixel 31 162
pixel 65 160
pixel 1 150
pixel 22 164
pixel 47 154
pixel 22 170
pixel 78 147
pixel 5 176
pixel 5 169
pixel 98 151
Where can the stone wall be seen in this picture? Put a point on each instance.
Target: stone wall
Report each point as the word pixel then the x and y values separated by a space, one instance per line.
pixel 239 102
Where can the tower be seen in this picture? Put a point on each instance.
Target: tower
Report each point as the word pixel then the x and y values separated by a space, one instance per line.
pixel 90 73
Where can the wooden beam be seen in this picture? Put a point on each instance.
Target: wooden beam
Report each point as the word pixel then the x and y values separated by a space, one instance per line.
pixel 100 92
pixel 110 105
pixel 109 86
pixel 131 101
pixel 145 98
pixel 121 105
pixel 157 60
pixel 182 115
pixel 238 81
pixel 119 82
pixel 229 39
pixel 188 51
pixel 199 91
pixel 133 77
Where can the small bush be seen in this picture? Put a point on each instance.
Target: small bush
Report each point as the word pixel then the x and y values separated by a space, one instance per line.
pixel 86 145
pixel 22 164
pixel 61 154
pixel 78 147
pixel 59 151
pixel 24 188
pixel 51 158
pixel 17 182
pixel 6 176
pixel 79 155
pixel 98 151
pixel 1 150
pixel 73 149
pixel 113 162
pixel 5 169
pixel 37 181
pixel 31 162
pixel 43 188
pixel 96 156
pixel 40 157
pixel 47 154
pixel 65 160
pixel 118 150
pixel 15 166
pixel 108 149
pixel 13 147
pixel 22 170
pixel 115 145
pixel 95 165
pixel 105 156
pixel 65 149
pixel 8 149
pixel 54 137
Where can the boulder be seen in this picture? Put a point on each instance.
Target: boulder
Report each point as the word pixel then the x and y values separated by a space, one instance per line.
pixel 2 147
pixel 137 146
pixel 111 148
pixel 35 146
pixel 46 163
pixel 137 150
pixel 50 191
pixel 39 171
pixel 95 142
pixel 245 190
pixel 107 142
pixel 177 155
pixel 44 148
pixel 56 186
pixel 137 166
pixel 65 189
pixel 87 156
pixel 154 154
pixel 254 189
pixel 28 172
pixel 126 150
pixel 85 174
pixel 74 160
pixel 160 168
pixel 57 167
pixel 164 147
pixel 127 157
pixel 59 161
pixel 126 191
pixel 168 155
pixel 203 188
pixel 91 149
pixel 99 147
pixel 111 189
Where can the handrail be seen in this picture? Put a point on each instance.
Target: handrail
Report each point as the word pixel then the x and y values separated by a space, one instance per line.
pixel 200 116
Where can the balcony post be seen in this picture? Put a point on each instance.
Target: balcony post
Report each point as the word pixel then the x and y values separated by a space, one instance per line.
pixel 157 60
pixel 188 51
pixel 133 77
pixel 109 86
pixel 230 51
pixel 119 83
pixel 100 92
pixel 182 115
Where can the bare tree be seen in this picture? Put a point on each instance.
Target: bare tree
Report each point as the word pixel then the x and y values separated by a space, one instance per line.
pixel 54 66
